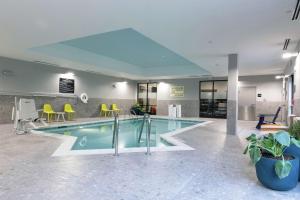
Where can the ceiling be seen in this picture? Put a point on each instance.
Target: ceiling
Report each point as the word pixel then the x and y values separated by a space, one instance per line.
pixel 126 51
pixel 189 33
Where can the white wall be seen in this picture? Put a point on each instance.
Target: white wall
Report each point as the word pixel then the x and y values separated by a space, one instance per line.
pixel 293 67
pixel 269 87
pixel 31 77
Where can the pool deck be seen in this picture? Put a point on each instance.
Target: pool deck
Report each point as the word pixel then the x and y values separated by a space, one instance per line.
pixel 216 169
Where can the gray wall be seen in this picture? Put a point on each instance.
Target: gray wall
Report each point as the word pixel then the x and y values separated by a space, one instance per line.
pixel 271 91
pixel 268 86
pixel 42 83
pixel 190 101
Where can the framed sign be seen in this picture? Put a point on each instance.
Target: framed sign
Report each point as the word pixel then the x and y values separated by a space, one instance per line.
pixel 66 85
pixel 177 91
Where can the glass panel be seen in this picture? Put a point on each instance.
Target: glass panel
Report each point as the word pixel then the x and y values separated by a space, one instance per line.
pixel 206 103
pixel 213 99
pixel 220 90
pixel 152 97
pixel 206 90
pixel 148 91
pixel 220 99
pixel 142 94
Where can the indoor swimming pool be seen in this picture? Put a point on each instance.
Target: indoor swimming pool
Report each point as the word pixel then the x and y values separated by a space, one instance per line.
pixel 99 135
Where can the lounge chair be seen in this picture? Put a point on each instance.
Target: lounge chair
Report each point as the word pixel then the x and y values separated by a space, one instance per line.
pixel 105 111
pixel 115 108
pixel 69 110
pixel 47 109
pixel 262 121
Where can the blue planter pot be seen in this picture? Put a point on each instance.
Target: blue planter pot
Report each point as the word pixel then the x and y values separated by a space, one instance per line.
pixel 265 172
pixel 294 151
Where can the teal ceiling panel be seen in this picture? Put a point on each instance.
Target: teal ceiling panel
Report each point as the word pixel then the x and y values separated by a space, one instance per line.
pixel 128 50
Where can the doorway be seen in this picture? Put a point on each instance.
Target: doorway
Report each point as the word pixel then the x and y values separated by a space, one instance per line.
pixel 247 103
pixel 147 97
pixel 213 99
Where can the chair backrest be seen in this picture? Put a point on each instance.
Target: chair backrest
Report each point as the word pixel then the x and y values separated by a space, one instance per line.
pixel 68 107
pixel 104 106
pixel 27 109
pixel 47 108
pixel 114 106
pixel 276 114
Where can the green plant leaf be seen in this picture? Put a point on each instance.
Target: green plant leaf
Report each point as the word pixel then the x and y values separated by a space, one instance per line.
pixel 255 154
pixel 283 138
pixel 246 150
pixel 295 142
pixel 294 130
pixel 251 138
pixel 283 168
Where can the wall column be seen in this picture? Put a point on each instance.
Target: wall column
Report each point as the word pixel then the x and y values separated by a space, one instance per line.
pixel 232 99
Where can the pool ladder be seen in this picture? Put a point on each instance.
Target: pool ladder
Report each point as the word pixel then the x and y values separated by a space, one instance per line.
pixel 147 119
pixel 115 140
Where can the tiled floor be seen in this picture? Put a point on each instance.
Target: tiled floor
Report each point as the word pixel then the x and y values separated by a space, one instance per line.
pixel 215 170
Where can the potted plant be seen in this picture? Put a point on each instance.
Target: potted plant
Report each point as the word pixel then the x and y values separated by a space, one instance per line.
pixel 137 109
pixel 274 169
pixel 294 148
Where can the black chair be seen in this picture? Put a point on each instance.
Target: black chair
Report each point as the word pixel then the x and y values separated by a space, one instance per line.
pixel 262 121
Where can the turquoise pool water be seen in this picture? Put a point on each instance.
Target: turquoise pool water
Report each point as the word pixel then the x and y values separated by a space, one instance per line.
pixel 99 135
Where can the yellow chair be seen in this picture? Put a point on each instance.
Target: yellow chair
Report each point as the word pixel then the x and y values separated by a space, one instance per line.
pixel 105 110
pixel 115 108
pixel 47 109
pixel 69 110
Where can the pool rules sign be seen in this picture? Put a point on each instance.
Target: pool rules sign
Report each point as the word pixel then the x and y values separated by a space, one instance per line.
pixel 177 91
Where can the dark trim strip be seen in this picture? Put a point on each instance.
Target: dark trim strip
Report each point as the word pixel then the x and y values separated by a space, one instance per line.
pixel 286 44
pixel 296 11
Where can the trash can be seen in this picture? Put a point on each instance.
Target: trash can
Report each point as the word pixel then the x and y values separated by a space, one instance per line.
pixel 247 113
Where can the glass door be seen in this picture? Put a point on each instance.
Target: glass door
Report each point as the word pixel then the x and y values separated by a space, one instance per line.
pixel 147 97
pixel 206 99
pixel 213 99
pixel 220 99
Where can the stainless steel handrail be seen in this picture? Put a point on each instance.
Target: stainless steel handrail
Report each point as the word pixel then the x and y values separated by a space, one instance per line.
pixel 142 127
pixel 148 135
pixel 115 141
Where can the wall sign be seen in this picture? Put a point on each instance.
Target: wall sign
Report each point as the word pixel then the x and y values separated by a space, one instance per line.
pixel 177 91
pixel 66 85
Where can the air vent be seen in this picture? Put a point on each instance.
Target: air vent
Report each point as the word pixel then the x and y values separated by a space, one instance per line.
pixel 286 44
pixel 296 11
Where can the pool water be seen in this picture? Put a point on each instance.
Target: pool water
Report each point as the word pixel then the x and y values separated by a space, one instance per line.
pixel 99 135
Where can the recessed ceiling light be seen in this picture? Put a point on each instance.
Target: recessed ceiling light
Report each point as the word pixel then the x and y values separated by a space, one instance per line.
pixel 289 55
pixel 70 74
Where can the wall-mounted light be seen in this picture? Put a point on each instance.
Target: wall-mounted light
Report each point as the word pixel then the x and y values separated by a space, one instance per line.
pixel 68 75
pixel 163 86
pixel 289 55
pixel 121 85
pixel 281 76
